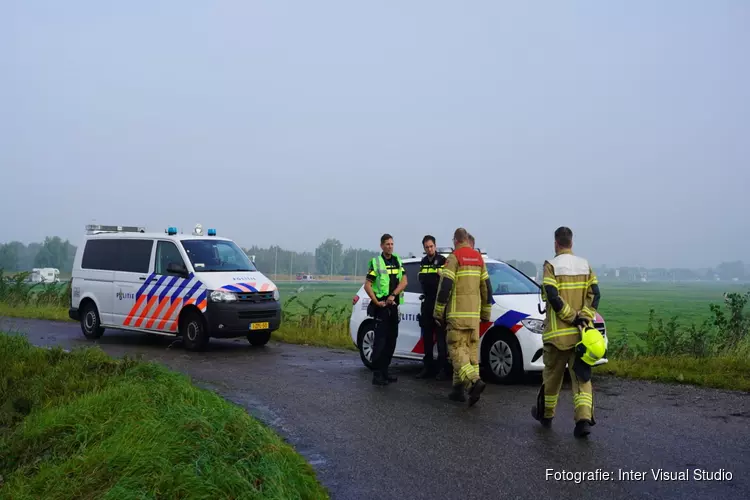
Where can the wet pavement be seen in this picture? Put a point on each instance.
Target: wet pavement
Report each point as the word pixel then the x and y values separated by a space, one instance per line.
pixel 409 441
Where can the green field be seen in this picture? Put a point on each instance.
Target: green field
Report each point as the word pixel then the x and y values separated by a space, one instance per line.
pixel 623 306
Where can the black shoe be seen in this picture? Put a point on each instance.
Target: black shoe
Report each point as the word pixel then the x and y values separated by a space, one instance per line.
pixel 442 375
pixel 457 394
pixel 425 373
pixel 377 379
pixel 390 378
pixel 546 422
pixel 583 429
pixel 475 391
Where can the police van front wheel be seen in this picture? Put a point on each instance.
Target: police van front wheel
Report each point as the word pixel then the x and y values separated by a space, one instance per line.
pixel 259 339
pixel 501 357
pixel 365 342
pixel 193 331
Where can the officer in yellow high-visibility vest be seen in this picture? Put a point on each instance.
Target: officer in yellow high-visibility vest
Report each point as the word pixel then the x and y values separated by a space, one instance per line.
pixel 571 291
pixel 385 283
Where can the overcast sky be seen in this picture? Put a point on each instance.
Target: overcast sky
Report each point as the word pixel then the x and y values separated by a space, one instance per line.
pixel 286 122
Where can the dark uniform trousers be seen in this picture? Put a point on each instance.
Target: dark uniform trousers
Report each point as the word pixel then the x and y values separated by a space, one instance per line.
pixel 386 334
pixel 429 328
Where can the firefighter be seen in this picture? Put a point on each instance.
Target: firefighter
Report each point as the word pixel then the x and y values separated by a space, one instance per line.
pixel 463 300
pixel 430 266
pixel 385 283
pixel 571 292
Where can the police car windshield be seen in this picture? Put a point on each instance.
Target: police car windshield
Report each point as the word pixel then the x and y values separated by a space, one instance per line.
pixel 216 256
pixel 506 280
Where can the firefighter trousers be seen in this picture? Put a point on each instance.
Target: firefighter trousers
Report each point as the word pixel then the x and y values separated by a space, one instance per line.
pixel 463 346
pixel 554 370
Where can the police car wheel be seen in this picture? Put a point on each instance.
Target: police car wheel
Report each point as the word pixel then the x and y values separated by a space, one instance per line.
pixel 365 342
pixel 501 357
pixel 193 331
pixel 90 321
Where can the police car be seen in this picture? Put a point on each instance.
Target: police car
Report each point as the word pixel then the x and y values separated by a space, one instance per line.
pixel 510 343
pixel 195 286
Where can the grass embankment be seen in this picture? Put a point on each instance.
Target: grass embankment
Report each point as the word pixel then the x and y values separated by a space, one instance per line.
pixel 83 425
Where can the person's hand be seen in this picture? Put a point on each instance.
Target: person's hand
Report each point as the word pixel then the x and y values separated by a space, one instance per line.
pixel 579 321
pixel 438 323
pixel 391 300
pixel 380 303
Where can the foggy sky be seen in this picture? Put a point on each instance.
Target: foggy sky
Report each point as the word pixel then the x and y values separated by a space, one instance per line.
pixel 289 122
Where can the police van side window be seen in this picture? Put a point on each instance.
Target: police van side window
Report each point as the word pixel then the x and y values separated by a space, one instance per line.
pixel 167 253
pixel 122 255
pixel 412 276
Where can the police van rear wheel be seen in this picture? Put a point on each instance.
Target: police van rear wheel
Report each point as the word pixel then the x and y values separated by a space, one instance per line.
pixel 91 322
pixel 193 331
pixel 501 357
pixel 365 342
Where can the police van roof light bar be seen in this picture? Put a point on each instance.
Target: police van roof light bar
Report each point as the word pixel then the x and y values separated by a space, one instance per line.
pixel 171 230
pixel 99 228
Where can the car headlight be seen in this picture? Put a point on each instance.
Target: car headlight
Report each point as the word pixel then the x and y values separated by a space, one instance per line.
pixel 534 325
pixel 276 294
pixel 222 296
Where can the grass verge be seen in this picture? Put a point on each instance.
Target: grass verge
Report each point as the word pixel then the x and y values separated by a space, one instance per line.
pixel 721 372
pixel 83 425
pixel 34 311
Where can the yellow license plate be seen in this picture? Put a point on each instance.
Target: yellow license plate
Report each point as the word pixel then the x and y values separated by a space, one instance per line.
pixel 259 326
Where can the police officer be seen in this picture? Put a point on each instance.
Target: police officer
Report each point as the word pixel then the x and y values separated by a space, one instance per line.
pixel 385 283
pixel 429 278
pixel 571 291
pixel 464 299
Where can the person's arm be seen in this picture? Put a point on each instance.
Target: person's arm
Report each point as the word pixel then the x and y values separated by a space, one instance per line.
pixel 591 302
pixel 400 287
pixel 369 280
pixel 485 290
pixel 560 308
pixel 445 286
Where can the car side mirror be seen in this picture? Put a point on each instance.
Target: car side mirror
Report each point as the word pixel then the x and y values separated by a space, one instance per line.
pixel 177 268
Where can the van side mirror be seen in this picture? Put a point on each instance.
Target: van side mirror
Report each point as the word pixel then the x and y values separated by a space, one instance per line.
pixel 177 268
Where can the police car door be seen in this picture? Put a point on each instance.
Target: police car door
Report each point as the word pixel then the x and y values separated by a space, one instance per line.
pixel 409 332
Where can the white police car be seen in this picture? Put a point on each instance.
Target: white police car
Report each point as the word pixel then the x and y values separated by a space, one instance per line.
pixel 510 343
pixel 193 285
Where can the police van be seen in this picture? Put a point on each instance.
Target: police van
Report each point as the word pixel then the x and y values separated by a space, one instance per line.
pixel 510 343
pixel 195 286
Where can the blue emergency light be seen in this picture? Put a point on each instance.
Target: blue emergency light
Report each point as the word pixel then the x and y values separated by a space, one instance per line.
pixel 171 230
pixel 212 232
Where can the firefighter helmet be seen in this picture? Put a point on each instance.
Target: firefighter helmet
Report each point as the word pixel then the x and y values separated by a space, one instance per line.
pixel 592 346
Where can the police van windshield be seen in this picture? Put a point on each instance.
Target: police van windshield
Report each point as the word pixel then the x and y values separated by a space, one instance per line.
pixel 506 280
pixel 216 256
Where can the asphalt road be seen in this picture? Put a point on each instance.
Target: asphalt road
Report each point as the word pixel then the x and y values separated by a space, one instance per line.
pixel 409 441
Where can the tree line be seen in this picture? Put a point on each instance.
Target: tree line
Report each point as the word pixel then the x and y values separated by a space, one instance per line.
pixel 332 258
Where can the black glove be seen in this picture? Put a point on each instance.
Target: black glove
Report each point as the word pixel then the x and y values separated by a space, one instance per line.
pixel 579 321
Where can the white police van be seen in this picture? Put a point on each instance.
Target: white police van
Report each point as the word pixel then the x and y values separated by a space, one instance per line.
pixel 195 286
pixel 510 343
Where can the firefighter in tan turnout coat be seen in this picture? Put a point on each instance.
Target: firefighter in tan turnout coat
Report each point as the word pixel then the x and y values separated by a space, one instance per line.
pixel 464 298
pixel 571 291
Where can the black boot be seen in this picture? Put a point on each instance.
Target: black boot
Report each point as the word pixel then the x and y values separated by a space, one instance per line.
pixel 389 378
pixel 583 429
pixel 426 371
pixel 443 375
pixel 377 378
pixel 546 422
pixel 457 394
pixel 475 391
